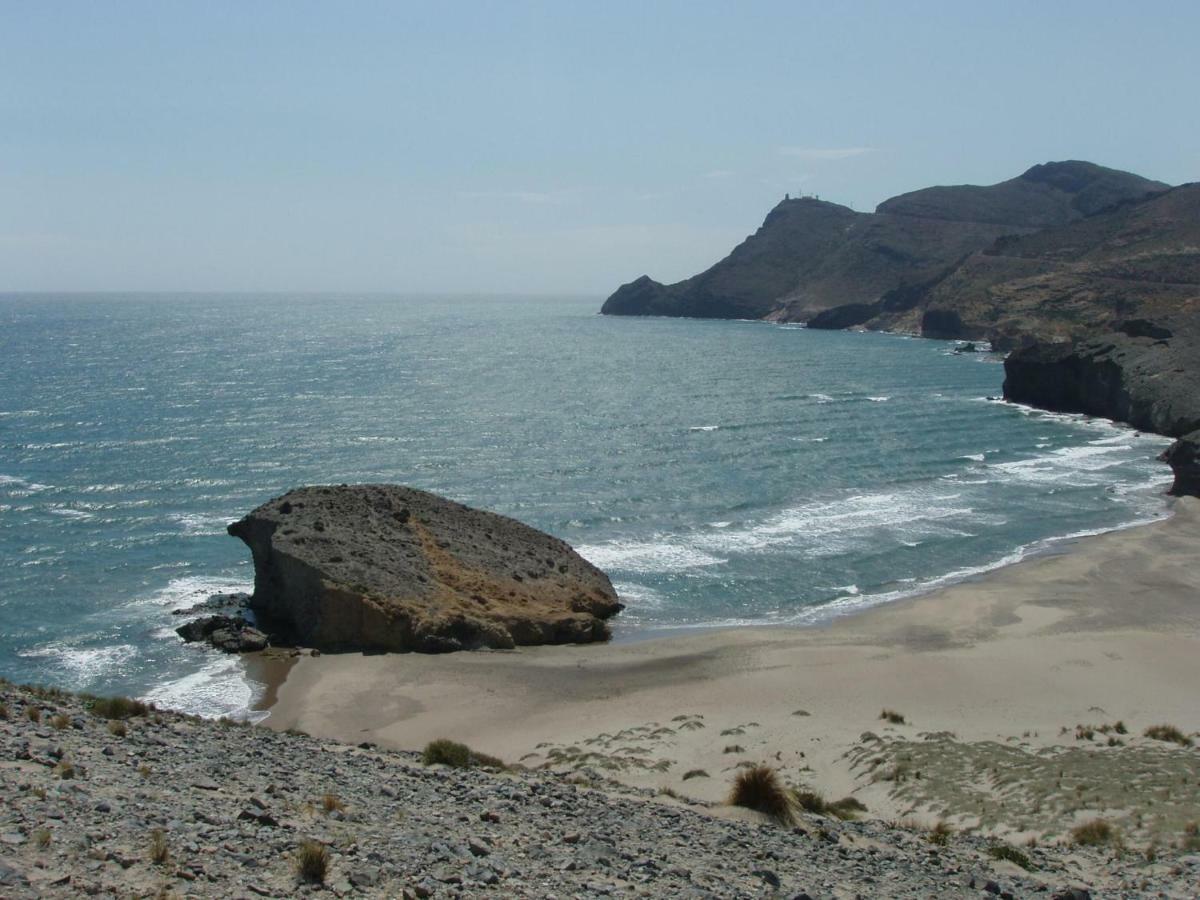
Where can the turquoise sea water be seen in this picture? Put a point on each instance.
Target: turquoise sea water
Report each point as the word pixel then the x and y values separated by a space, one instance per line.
pixel 722 473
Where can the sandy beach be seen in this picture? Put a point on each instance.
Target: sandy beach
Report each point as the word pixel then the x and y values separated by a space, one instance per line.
pixel 1024 696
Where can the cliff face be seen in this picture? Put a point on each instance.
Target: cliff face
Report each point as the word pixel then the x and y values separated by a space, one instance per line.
pixel 810 255
pixel 390 568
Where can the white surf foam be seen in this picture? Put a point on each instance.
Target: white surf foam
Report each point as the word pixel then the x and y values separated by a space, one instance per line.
pixel 220 688
pixel 658 555
pixel 82 666
pixel 201 524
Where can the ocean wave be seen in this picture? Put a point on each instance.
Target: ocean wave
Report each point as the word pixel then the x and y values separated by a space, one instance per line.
pixel 189 590
pixel 659 555
pixel 201 524
pixel 220 688
pixel 83 666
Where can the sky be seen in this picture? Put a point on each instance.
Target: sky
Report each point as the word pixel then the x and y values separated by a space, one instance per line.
pixel 541 148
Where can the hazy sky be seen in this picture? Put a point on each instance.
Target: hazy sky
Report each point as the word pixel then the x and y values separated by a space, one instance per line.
pixel 534 147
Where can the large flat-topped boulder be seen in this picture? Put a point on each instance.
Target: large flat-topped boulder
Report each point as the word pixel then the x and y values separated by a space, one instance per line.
pixel 379 567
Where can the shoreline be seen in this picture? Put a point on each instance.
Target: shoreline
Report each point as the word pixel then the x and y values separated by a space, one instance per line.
pixel 1106 630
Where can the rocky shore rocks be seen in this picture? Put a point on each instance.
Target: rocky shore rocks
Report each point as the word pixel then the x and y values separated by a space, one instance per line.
pixel 156 804
pixel 388 568
pixel 1146 374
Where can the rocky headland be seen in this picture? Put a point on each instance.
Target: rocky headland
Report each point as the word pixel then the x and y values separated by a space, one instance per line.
pixel 388 568
pixel 1090 274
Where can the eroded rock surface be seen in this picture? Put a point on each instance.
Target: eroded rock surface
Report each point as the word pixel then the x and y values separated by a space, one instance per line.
pixel 390 568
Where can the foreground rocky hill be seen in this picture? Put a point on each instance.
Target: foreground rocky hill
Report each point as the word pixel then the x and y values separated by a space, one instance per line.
pixel 113 798
pixel 389 568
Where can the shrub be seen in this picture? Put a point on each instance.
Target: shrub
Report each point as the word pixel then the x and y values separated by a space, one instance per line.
pixel 758 788
pixel 3 712
pixel 33 714
pixel 118 708
pixel 1093 834
pixel 64 770
pixel 1011 854
pixel 332 803
pixel 59 722
pixel 312 862
pixel 159 851
pixel 890 715
pixel 1168 733
pixel 940 833
pixel 811 801
pixel 117 728
pixel 456 755
pixel 695 773
pixel 847 808
pixel 1191 837
pixel 41 838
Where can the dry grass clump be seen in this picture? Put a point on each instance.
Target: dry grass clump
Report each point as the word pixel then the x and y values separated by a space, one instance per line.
pixel 733 748
pixel 890 715
pixel 332 803
pixel 159 851
pixel 695 773
pixel 118 707
pixel 1191 837
pixel 59 722
pixel 33 714
pixel 312 862
pixel 1168 733
pixel 41 838
pixel 1095 833
pixel 759 788
pixel 458 756
pixel 117 728
pixel 940 833
pixel 3 712
pixel 65 770
pixel 1011 854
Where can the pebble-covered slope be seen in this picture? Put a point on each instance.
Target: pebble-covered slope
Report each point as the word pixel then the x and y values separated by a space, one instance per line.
pixel 234 804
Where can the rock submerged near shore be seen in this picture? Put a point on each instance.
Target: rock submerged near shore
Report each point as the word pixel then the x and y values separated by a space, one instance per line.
pixel 386 568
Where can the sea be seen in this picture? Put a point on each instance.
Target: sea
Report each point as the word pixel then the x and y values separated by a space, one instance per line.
pixel 723 473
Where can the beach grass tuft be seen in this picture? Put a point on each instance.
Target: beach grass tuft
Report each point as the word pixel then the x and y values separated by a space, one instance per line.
pixel 759 788
pixel 118 707
pixel 940 833
pixel 1009 853
pixel 117 728
pixel 312 862
pixel 332 803
pixel 1095 833
pixel 457 756
pixel 1168 733
pixel 890 715
pixel 160 852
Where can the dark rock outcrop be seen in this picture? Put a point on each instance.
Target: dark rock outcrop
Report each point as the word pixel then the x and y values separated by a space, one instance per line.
pixel 389 568
pixel 232 634
pixel 1150 382
pixel 1184 459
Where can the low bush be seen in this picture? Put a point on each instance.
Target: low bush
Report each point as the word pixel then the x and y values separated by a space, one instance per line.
pixel 159 851
pixel 759 788
pixel 118 708
pixel 1011 854
pixel 312 862
pixel 1168 733
pixel 940 834
pixel 458 756
pixel 1095 833
pixel 890 715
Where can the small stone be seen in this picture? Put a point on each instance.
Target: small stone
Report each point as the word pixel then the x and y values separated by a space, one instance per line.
pixel 478 846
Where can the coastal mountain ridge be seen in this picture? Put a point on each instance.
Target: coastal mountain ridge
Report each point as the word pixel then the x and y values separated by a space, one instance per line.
pixel 1091 275
pixel 811 255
